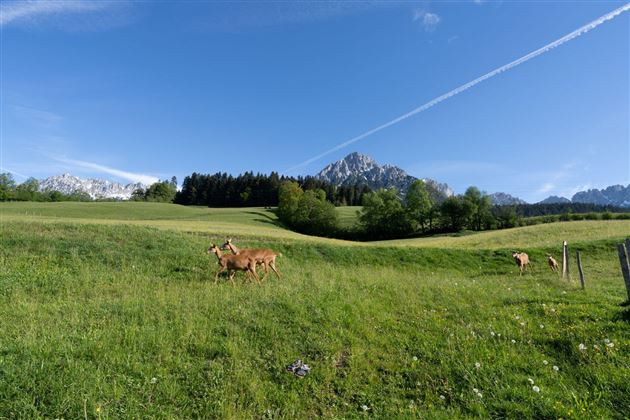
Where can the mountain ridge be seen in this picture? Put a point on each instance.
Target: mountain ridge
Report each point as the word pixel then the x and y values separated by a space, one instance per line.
pixel 95 188
pixel 357 168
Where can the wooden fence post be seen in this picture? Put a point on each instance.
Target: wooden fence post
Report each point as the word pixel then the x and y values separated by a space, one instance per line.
pixel 625 266
pixel 565 261
pixel 579 264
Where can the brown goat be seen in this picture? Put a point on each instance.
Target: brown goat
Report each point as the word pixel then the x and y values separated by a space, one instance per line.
pixel 264 256
pixel 233 263
pixel 522 260
pixel 553 264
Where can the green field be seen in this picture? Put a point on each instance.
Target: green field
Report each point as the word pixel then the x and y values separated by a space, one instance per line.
pixel 110 310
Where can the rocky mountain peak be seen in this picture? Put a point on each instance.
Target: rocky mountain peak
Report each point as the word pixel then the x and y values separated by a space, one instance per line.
pixel 357 168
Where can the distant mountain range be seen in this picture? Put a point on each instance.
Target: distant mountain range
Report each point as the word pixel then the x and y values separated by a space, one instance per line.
pixel 554 199
pixel 362 169
pixel 96 188
pixel 504 199
pixel 357 168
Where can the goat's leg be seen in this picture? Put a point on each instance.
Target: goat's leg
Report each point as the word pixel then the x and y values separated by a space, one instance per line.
pixel 232 277
pixel 265 265
pixel 252 269
pixel 216 276
pixel 272 264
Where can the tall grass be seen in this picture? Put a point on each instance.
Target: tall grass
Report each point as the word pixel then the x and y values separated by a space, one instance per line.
pixel 116 320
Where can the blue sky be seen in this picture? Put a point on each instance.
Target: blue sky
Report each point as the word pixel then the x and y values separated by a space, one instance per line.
pixel 144 90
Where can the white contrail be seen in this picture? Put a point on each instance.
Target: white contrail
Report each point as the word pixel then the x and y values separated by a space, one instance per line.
pixel 580 31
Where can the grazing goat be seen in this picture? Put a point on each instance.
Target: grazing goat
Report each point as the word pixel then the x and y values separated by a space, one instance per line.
pixel 233 263
pixel 263 256
pixel 553 264
pixel 522 260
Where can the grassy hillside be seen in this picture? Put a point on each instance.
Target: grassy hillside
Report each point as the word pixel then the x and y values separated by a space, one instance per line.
pixel 103 318
pixel 259 222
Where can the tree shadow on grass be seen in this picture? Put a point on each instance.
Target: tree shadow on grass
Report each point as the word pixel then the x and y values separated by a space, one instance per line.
pixel 266 218
pixel 622 316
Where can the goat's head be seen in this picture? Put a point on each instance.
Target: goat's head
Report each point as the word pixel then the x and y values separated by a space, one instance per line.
pixel 227 244
pixel 214 249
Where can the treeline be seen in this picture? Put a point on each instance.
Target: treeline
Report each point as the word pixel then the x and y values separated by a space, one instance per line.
pixel 539 209
pixel 386 215
pixel 259 190
pixel 158 192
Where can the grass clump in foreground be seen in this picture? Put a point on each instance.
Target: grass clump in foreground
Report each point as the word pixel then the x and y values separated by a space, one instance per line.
pixel 124 321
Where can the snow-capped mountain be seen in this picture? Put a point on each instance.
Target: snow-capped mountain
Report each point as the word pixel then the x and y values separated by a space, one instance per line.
pixel 504 199
pixel 96 188
pixel 554 199
pixel 357 168
pixel 615 195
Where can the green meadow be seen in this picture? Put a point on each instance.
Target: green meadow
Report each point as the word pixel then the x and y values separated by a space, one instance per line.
pixel 110 310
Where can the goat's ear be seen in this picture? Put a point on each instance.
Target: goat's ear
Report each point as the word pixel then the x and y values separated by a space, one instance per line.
pixel 229 240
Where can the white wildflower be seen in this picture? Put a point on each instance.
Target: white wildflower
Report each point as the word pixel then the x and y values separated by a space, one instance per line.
pixel 365 407
pixel 513 341
pixel 542 326
pixel 442 397
pixel 582 346
pixel 153 380
pixel 531 381
pixel 545 362
pixel 606 340
pixel 492 333
pixel 415 358
pixel 556 368
pixel 536 389
pixel 477 365
pixel 611 345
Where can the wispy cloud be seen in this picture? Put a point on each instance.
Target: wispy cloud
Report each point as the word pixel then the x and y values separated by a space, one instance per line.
pixel 16 11
pixel 129 176
pixel 4 169
pixel 35 13
pixel 562 181
pixel 545 188
pixel 428 20
pixel 237 15
pixel 36 116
